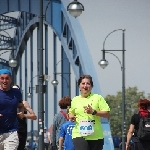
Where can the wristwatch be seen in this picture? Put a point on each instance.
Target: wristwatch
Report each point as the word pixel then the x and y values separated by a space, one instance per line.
pixel 94 112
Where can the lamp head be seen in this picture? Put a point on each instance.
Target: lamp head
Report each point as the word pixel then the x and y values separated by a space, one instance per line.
pixel 54 82
pixel 75 8
pixel 103 63
pixel 29 95
pixel 12 62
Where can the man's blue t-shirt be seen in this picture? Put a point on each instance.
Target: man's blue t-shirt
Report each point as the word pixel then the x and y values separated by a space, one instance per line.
pixel 9 101
pixel 66 134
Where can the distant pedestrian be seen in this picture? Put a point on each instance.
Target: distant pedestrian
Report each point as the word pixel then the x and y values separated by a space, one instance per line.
pixel 59 119
pixel 27 146
pixel 33 145
pixel 116 141
pixel 47 140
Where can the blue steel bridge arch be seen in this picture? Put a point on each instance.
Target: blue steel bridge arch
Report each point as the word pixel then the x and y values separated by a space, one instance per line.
pixel 70 34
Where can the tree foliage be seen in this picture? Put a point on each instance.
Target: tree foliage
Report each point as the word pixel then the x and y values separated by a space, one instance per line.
pixel 132 95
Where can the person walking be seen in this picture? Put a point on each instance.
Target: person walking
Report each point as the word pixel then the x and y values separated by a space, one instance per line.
pixel 22 127
pixel 132 135
pixel 10 100
pixel 65 135
pixel 87 109
pixel 59 119
pixel 47 140
pixel 116 141
pixel 27 146
pixel 33 145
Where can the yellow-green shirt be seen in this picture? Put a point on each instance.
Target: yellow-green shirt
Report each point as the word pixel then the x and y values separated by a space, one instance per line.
pixel 98 103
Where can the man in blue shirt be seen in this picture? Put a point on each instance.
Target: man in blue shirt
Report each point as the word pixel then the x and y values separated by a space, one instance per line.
pixel 65 140
pixel 10 100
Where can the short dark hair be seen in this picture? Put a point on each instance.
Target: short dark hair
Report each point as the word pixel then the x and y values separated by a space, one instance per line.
pixel 87 77
pixel 65 102
pixel 143 104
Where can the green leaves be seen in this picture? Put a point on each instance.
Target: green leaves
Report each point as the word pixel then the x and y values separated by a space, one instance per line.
pixel 115 104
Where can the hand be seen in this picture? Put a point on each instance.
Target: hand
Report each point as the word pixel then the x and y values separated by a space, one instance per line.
pixel 20 115
pixel 127 147
pixel 1 115
pixel 88 109
pixel 72 117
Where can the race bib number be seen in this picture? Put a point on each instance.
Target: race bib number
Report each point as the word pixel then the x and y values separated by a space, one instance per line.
pixel 86 127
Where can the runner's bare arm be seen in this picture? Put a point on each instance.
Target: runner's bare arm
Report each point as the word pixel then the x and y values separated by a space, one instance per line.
pixel 104 114
pixel 61 141
pixel 88 109
pixel 31 115
pixel 49 138
pixel 129 135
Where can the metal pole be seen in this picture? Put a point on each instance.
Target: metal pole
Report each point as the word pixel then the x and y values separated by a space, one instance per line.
pixel 123 80
pixel 32 121
pixel 41 80
pixel 123 90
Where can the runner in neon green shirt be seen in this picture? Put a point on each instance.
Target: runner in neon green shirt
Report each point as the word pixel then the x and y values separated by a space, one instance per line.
pixel 77 108
pixel 87 108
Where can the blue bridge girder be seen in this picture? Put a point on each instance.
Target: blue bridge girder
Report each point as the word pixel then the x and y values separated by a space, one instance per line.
pixel 7 22
pixel 65 27
pixel 5 42
pixel 73 46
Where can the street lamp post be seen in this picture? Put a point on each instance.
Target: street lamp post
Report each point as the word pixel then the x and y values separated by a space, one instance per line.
pixel 103 63
pixel 29 95
pixel 40 81
pixel 40 87
pixel 55 82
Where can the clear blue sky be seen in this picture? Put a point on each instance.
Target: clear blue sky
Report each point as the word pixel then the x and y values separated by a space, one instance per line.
pixel 98 20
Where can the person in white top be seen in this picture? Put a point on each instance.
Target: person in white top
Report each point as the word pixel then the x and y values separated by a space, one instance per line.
pixel 47 140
